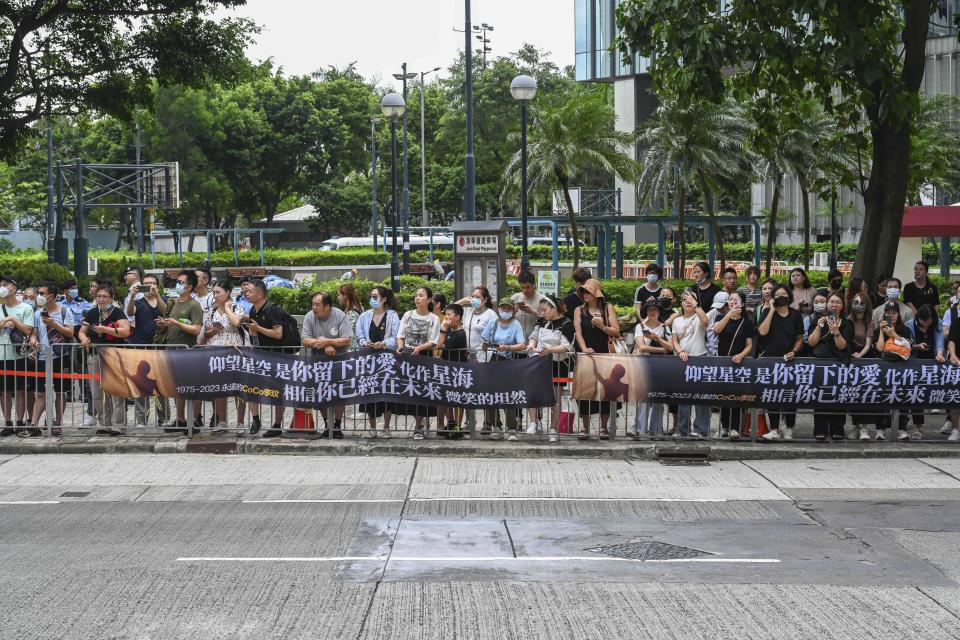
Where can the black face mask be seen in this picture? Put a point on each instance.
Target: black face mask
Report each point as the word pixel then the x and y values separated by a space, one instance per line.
pixel 666 303
pixel 780 302
pixel 835 283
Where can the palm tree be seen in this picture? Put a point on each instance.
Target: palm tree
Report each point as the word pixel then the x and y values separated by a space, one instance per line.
pixel 687 145
pixel 810 150
pixel 571 135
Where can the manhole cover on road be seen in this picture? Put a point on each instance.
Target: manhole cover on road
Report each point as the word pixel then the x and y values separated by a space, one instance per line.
pixel 648 551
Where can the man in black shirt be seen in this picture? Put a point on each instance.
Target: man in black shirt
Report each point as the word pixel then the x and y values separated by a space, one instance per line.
pixel 572 300
pixel 706 289
pixel 453 347
pixel 651 289
pixel 921 291
pixel 265 326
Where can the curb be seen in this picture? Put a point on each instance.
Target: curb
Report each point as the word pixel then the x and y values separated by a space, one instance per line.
pixel 616 450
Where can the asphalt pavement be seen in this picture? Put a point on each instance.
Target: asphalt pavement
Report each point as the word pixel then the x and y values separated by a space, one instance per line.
pixel 212 546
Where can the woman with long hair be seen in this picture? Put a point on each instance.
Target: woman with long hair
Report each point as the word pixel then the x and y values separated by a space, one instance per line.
pixel 893 329
pixel 830 338
pixel 221 328
pixel 377 330
pixel 690 339
pixel 650 337
pixel 735 339
pixel 552 338
pixel 350 303
pixel 596 325
pixel 800 288
pixel 478 312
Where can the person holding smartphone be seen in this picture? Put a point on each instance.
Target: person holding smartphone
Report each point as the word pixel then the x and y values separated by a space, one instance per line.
pixel 735 339
pixel 650 337
pixel 781 336
pixel 831 338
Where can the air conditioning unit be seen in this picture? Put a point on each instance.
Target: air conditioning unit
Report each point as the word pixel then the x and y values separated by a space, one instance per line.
pixel 92 266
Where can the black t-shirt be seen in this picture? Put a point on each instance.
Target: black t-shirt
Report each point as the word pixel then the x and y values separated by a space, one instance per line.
pixel 94 318
pixel 912 294
pixel 827 347
pixel 927 337
pixel 145 319
pixel 707 295
pixel 455 347
pixel 642 293
pixel 733 339
pixel 784 331
pixel 954 334
pixel 571 302
pixel 268 317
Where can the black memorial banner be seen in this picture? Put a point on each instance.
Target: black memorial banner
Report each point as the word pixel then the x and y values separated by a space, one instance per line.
pixel 768 382
pixel 277 378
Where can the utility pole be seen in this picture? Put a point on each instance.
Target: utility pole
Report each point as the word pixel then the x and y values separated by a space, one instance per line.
pixel 139 210
pixel 51 214
pixel 469 195
pixel 373 180
pixel 423 151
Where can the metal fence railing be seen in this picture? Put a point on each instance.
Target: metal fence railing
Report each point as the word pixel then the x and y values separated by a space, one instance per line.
pixel 55 390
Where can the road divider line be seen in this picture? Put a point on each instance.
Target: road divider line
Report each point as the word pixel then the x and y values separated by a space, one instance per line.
pixel 324 501
pixel 558 499
pixel 457 559
pixel 14 502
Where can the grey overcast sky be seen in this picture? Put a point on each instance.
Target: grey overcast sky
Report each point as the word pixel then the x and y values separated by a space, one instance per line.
pixel 305 35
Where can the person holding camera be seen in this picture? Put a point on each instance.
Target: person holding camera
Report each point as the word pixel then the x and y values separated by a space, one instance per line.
pixel 830 339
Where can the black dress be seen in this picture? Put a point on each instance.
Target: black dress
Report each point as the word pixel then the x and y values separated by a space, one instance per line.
pixel 377 334
pixel 599 341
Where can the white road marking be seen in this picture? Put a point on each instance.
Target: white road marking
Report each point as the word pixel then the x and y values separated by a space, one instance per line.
pixel 485 559
pixel 30 502
pixel 321 501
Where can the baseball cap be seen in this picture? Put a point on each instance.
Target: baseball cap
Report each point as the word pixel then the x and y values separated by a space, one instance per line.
pixel 720 299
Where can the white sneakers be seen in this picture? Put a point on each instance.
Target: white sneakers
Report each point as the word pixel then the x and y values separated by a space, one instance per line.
pixel 882 434
pixel 864 433
pixel 734 434
pixel 788 433
pixel 773 434
pixel 954 435
pixel 554 436
pixel 512 436
pixel 902 435
pixel 534 428
pixel 89 421
pixel 947 427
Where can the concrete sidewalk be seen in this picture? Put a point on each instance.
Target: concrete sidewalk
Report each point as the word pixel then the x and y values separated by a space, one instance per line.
pixel 620 448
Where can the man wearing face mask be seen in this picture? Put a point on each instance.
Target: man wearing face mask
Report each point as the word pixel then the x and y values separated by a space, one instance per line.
pixel 650 289
pixel 183 324
pixel 893 296
pixel 706 288
pixel 16 326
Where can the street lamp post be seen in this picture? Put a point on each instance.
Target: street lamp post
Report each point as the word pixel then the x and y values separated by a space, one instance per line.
pixel 406 172
pixel 373 180
pixel 393 106
pixel 469 188
pixel 425 217
pixel 523 89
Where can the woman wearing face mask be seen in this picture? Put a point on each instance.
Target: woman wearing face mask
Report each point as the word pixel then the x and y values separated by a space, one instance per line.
pixel 553 338
pixel 349 301
pixel 705 287
pixel 595 324
pixel 861 345
pixel 377 330
pixel 781 336
pixel 53 332
pixel 735 333
pixel 650 289
pixel 817 310
pixel 504 339
pixel 478 312
pixel 667 301
pixel 690 339
pixel 830 338
pixel 221 328
pixel 927 345
pixel 835 284
pixel 801 291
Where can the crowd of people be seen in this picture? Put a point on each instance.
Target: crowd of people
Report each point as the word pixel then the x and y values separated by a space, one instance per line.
pixel 759 319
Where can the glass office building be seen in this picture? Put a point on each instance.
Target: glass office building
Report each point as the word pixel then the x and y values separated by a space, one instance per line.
pixel 596 31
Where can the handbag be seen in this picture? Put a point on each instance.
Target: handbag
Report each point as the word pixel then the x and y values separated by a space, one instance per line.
pixel 568 416
pixel 896 350
pixel 17 338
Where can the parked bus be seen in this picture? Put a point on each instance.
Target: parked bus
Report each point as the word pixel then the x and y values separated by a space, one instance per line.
pixel 417 243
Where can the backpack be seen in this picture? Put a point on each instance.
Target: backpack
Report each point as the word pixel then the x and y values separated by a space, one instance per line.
pixel 291 332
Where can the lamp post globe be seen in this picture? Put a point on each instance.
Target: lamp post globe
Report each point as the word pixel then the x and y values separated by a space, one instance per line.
pixel 523 88
pixel 393 105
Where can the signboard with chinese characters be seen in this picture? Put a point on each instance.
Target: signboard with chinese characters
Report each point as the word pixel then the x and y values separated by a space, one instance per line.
pixel 484 244
pixel 549 282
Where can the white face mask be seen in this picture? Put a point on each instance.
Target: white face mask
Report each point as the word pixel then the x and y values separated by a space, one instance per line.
pixel 41 301
pixel 652 278
pixel 819 307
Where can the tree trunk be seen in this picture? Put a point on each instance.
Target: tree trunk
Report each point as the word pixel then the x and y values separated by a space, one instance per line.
pixel 708 207
pixel 681 206
pixel 883 202
pixel 805 194
pixel 565 184
pixel 772 222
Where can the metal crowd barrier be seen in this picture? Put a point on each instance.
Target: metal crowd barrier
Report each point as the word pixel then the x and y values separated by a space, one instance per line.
pixel 55 390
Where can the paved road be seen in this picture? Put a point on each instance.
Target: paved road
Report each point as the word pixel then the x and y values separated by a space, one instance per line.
pixel 207 547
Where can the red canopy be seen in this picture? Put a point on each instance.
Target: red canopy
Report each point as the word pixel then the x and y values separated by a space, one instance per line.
pixel 931 222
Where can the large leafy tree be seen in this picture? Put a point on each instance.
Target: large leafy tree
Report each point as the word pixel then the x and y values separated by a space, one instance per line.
pixel 66 56
pixel 853 57
pixel 573 134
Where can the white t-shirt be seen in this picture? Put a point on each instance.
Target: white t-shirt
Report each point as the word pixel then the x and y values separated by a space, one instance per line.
pixel 474 322
pixel 526 320
pixel 691 335
pixel 638 338
pixel 416 329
